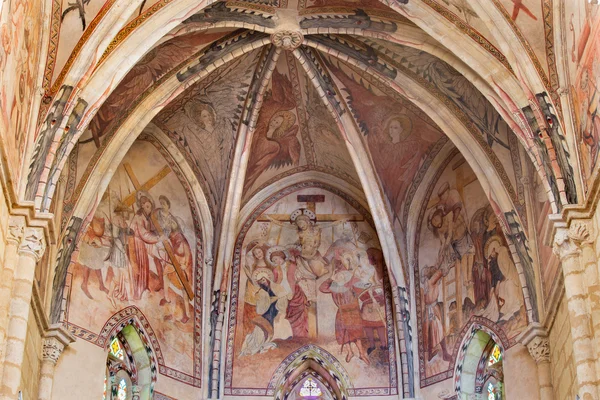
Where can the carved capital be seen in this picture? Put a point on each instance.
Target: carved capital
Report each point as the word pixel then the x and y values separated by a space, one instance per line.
pixel 539 348
pixel 287 40
pixel 55 341
pixel 52 348
pixel 33 243
pixel 568 242
pixel 16 226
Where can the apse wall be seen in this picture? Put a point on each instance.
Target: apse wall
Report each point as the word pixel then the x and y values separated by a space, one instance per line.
pixel 315 251
pixel 139 261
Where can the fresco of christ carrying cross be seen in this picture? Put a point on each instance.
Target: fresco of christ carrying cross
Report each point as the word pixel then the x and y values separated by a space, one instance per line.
pixel 310 264
pixel 131 198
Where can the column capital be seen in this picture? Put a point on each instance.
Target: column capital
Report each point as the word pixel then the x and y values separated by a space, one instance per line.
pixel 16 226
pixel 539 348
pixel 568 241
pixel 54 343
pixel 33 243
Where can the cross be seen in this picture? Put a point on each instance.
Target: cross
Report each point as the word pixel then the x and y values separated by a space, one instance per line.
pixel 311 201
pixel 518 6
pixel 130 199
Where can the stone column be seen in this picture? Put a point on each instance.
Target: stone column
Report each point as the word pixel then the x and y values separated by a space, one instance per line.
pixel 31 249
pixel 16 225
pixel 539 347
pixel 55 341
pixel 567 246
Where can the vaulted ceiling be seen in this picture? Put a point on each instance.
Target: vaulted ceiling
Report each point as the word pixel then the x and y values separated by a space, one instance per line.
pixel 256 95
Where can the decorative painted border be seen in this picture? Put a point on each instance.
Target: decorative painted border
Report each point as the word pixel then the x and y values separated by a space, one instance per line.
pixel 471 32
pixel 460 348
pixel 259 210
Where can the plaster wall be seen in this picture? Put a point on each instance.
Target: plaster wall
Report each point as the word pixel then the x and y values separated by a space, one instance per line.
pixel 80 374
pixel 561 355
pixel 520 374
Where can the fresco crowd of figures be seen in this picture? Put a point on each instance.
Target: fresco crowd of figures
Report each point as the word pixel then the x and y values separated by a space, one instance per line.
pixel 312 278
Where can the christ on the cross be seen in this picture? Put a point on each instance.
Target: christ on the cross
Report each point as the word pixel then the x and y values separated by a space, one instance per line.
pixel 310 266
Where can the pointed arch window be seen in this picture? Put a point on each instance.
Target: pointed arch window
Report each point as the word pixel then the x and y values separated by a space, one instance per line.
pixel 310 389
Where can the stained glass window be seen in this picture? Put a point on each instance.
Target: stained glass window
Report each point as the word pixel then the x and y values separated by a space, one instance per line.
pixel 122 390
pixel 105 384
pixel 310 389
pixel 495 355
pixel 491 392
pixel 116 349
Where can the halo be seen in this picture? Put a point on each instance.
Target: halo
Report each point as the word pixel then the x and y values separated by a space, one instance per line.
pixel 141 194
pixel 303 211
pixel 276 249
pixel 263 273
pixel 488 245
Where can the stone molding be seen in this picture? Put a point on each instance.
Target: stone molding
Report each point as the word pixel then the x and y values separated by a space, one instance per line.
pixel 54 343
pixel 16 227
pixel 33 243
pixel 287 40
pixel 535 338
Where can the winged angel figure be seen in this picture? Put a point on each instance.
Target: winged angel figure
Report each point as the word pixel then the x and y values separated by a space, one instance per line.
pixel 276 144
pixel 398 140
pixel 151 67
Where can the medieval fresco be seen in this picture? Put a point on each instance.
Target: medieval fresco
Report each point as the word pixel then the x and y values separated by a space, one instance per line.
pixel 156 64
pixel 294 132
pixel 389 123
pixel 20 50
pixel 468 104
pixel 309 270
pixel 529 16
pixel 464 269
pixel 142 248
pixel 586 94
pixel 75 18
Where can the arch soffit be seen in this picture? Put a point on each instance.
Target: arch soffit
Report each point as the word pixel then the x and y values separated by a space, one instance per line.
pixel 314 370
pixel 302 357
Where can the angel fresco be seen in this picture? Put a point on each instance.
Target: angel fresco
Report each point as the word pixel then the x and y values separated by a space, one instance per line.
pixel 398 141
pixel 148 70
pixel 276 144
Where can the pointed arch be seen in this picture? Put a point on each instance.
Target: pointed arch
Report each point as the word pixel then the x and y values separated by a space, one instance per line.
pixel 317 359
pixel 476 324
pixel 133 329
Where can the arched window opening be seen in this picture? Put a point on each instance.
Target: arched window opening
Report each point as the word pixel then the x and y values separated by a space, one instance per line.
pixel 121 373
pixel 491 373
pixel 482 374
pixel 128 367
pixel 310 389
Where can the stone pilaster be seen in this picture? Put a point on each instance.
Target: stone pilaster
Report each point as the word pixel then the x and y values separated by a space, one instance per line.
pixel 16 227
pixel 536 340
pixel 567 246
pixel 55 341
pixel 30 251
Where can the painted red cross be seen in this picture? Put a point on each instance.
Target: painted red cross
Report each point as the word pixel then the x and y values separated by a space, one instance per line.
pixel 518 6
